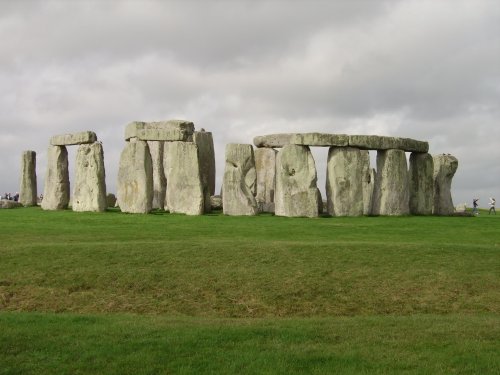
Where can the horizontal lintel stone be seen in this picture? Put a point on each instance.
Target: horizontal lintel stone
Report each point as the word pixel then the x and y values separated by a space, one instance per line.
pixel 375 142
pixel 81 138
pixel 172 130
pixel 320 139
pixel 273 140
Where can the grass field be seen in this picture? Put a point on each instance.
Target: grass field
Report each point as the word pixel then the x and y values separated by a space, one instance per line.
pixel 113 293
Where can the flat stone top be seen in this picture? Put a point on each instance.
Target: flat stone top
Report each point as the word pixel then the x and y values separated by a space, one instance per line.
pixel 74 139
pixel 171 130
pixel 364 142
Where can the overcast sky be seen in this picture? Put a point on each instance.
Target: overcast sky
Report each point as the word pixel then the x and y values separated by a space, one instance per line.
pixel 428 70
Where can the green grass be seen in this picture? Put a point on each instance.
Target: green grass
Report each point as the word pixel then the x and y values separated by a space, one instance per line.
pixel 162 293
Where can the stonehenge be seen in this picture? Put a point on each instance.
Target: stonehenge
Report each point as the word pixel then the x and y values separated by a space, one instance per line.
pixel 170 166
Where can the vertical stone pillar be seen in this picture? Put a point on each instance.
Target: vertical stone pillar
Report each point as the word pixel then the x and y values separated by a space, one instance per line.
pixel 206 156
pixel 28 190
pixel 391 194
pixel 156 149
pixel 421 183
pixel 56 190
pixel 345 178
pixel 296 189
pixel 239 181
pixel 135 178
pixel 184 187
pixel 445 167
pixel 265 165
pixel 90 179
pixel 368 188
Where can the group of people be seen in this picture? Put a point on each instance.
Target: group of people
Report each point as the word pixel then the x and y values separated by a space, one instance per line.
pixel 11 197
pixel 475 205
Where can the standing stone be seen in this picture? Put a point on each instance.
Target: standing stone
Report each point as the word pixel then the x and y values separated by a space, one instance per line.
pixel 135 178
pixel 239 181
pixel 296 190
pixel 368 188
pixel 184 188
pixel 206 156
pixel 56 190
pixel 265 166
pixel 391 194
pixel 445 167
pixel 345 177
pixel 156 148
pixel 421 183
pixel 90 186
pixel 28 192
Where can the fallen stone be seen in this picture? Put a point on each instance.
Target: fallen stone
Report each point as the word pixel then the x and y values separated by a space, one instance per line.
pixel 171 130
pixel 375 142
pixel 73 139
pixel 445 167
pixel 156 148
pixel 90 179
pixel 461 208
pixel 320 139
pixel 206 159
pixel 421 183
pixel 265 166
pixel 391 193
pixel 215 203
pixel 56 189
pixel 135 178
pixel 239 181
pixel 111 200
pixel 8 204
pixel 273 140
pixel 296 190
pixel 346 175
pixel 28 190
pixel 184 188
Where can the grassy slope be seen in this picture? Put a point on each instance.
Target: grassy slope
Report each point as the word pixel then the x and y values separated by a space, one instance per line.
pixel 215 267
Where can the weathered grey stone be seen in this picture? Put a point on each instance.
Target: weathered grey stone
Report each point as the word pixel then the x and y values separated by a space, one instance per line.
pixel 171 130
pixel 346 174
pixel 273 140
pixel 135 178
pixel 156 148
pixel 28 190
pixel 111 200
pixel 206 156
pixel 216 202
pixel 239 181
pixel 391 193
pixel 265 166
pixel 375 142
pixel 445 167
pixel 90 179
pixel 421 183
pixel 8 204
pixel 184 188
pixel 56 190
pixel 368 188
pixel 296 190
pixel 320 139
pixel 73 139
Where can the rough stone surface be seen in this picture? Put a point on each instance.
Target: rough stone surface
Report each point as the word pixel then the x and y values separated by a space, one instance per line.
pixel 320 139
pixel 156 148
pixel 216 202
pixel 375 142
pixel 171 130
pixel 90 179
pixel 135 178
pixel 28 190
pixel 296 190
pixel 265 166
pixel 421 183
pixel 368 188
pixel 239 181
pixel 346 175
pixel 391 193
pixel 206 156
pixel 5 203
pixel 273 140
pixel 111 200
pixel 184 188
pixel 56 190
pixel 445 167
pixel 73 139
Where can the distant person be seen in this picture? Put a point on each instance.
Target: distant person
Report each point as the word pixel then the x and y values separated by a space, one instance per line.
pixel 492 206
pixel 16 197
pixel 474 205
